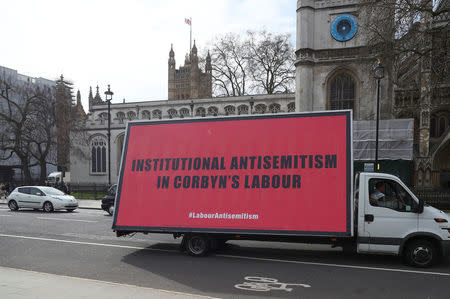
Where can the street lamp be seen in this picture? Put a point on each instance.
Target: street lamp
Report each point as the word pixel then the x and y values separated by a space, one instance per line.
pixel 192 108
pixel 378 74
pixel 109 94
pixel 251 105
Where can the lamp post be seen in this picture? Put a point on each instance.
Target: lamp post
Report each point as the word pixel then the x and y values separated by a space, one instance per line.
pixel 192 108
pixel 378 74
pixel 252 102
pixel 108 97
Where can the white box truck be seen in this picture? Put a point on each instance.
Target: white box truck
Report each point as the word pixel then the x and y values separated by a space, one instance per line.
pixel 279 177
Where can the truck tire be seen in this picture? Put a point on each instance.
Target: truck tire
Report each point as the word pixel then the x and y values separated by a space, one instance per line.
pixel 198 245
pixel 421 253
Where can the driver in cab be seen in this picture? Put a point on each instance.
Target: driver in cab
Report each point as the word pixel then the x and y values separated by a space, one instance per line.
pixel 378 197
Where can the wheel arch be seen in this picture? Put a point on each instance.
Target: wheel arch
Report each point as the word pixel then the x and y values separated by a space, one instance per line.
pixel 435 239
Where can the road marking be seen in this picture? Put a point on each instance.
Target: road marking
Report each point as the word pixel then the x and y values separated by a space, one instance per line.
pixel 5 215
pixel 264 284
pixel 85 243
pixel 333 265
pixel 109 282
pixel 232 256
pixel 62 219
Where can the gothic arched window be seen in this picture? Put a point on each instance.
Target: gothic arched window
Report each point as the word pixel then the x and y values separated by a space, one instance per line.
pixel 157 114
pixel 200 112
pixel 341 92
pixel 291 107
pixel 441 126
pixel 131 115
pixel 260 108
pixel 433 127
pixel 120 117
pixel 229 110
pixel 98 155
pixel 274 108
pixel 172 113
pixel 145 114
pixel 242 109
pixel 184 112
pixel 213 111
pixel 103 118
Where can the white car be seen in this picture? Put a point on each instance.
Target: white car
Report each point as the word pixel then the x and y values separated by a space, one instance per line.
pixel 37 197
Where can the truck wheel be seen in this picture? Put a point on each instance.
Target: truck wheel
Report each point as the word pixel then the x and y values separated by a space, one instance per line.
pixel 421 253
pixel 198 245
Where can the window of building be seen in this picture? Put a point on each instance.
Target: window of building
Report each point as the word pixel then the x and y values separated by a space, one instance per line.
pixel 213 111
pixel 120 117
pixel 145 114
pixel 242 109
pixel 131 115
pixel 184 112
pixel 274 108
pixel 442 126
pixel 260 108
pixel 341 92
pixel 103 118
pixel 291 107
pixel 433 127
pixel 230 110
pixel 172 113
pixel 157 114
pixel 98 155
pixel 200 111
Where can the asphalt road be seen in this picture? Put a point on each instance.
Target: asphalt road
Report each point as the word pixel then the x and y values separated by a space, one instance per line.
pixel 81 244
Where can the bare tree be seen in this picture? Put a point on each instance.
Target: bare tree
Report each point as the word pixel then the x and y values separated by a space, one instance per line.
pixel 271 61
pixel 43 136
pixel 405 33
pixel 19 106
pixel 229 66
pixel 258 62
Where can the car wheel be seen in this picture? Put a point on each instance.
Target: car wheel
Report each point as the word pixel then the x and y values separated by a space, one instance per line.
pixel 421 253
pixel 70 210
pixel 111 210
pixel 12 204
pixel 48 207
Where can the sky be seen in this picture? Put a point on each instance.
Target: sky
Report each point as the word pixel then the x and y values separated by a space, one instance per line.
pixel 124 43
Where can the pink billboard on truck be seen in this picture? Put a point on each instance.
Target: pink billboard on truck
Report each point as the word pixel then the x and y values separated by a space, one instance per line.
pixel 282 173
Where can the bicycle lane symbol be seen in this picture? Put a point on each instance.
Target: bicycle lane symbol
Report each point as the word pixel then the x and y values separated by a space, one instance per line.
pixel 264 284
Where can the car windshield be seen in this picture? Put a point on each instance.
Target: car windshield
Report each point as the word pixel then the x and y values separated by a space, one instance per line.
pixel 51 191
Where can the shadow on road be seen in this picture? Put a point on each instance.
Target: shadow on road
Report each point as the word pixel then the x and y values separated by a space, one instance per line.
pixel 231 264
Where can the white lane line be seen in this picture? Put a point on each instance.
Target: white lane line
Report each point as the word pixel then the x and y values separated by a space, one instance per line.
pixel 84 243
pixel 109 282
pixel 333 265
pixel 5 215
pixel 232 256
pixel 62 219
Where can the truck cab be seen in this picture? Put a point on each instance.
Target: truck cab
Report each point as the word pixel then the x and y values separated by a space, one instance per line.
pixel 392 220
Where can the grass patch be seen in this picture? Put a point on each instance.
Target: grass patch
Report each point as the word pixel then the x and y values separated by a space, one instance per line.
pixel 88 195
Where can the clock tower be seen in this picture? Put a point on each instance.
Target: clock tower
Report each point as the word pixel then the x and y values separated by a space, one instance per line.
pixel 333 63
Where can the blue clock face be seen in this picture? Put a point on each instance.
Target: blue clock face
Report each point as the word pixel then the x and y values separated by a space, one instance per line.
pixel 344 27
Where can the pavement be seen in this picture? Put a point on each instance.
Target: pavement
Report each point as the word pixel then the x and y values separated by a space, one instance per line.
pixel 93 204
pixel 18 283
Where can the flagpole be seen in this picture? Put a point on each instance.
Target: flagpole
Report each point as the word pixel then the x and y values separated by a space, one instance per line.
pixel 190 34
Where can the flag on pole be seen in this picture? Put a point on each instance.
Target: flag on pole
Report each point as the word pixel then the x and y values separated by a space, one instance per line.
pixel 187 21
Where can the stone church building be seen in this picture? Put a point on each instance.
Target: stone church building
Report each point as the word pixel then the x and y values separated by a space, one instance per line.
pixel 334 70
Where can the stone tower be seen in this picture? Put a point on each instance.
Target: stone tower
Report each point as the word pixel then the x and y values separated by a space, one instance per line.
pixel 333 64
pixel 189 81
